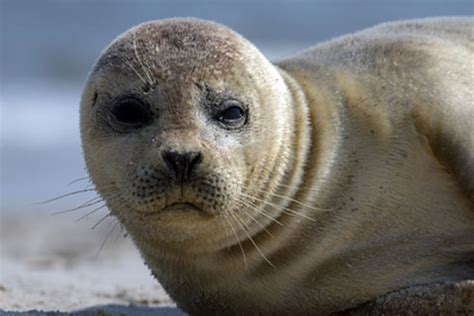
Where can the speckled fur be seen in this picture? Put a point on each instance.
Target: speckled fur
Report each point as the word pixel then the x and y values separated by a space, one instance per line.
pixel 440 299
pixel 368 137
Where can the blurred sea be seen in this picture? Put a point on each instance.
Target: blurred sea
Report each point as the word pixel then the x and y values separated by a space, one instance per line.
pixel 48 47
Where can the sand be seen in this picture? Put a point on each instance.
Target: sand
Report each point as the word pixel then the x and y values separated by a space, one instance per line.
pixel 52 265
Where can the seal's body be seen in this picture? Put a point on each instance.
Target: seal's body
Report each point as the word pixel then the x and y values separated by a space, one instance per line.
pixel 309 186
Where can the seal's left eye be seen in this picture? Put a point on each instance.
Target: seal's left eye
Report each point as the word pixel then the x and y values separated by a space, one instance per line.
pixel 130 113
pixel 232 115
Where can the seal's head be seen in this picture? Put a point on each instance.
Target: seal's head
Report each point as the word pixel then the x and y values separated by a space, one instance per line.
pixel 181 121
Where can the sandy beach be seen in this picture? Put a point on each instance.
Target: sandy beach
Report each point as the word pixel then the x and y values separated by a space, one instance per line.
pixel 52 265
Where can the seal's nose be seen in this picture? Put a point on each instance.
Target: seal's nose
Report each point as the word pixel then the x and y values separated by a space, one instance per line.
pixel 181 165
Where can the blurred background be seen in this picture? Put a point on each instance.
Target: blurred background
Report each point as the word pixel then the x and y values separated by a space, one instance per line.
pixel 47 49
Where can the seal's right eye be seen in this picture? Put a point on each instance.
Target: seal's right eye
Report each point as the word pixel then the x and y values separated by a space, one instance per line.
pixel 130 113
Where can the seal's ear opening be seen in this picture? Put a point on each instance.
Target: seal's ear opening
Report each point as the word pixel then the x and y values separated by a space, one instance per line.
pixel 94 98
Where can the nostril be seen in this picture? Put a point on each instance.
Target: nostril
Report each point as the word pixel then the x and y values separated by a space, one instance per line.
pixel 182 165
pixel 195 159
pixel 171 160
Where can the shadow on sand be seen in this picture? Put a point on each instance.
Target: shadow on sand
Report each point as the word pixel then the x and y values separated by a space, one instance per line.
pixel 106 310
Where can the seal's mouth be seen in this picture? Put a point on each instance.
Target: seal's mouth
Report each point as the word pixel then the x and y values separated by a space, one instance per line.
pixel 175 207
pixel 180 207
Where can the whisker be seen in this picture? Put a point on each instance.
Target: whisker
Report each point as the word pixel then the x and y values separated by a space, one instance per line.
pixel 77 180
pixel 94 201
pixel 90 213
pixel 122 233
pixel 260 211
pixel 285 210
pixel 130 66
pixel 244 257
pixel 100 221
pixel 288 198
pixel 150 82
pixel 293 200
pixel 147 64
pixel 223 223
pixel 107 238
pixel 257 222
pixel 86 204
pixel 64 196
pixel 239 222
pixel 284 185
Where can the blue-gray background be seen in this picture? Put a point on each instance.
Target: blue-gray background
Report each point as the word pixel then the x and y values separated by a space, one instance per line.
pixel 48 47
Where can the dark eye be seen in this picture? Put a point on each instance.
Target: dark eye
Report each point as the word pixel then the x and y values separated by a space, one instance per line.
pixel 130 113
pixel 233 114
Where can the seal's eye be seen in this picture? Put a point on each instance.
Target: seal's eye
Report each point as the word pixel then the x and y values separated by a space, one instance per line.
pixel 232 115
pixel 130 113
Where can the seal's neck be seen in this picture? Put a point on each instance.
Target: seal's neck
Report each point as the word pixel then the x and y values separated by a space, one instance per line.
pixel 300 139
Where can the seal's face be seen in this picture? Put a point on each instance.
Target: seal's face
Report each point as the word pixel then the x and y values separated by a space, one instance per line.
pixel 180 125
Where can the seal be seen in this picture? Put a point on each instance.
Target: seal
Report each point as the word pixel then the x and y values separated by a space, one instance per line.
pixel 307 186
